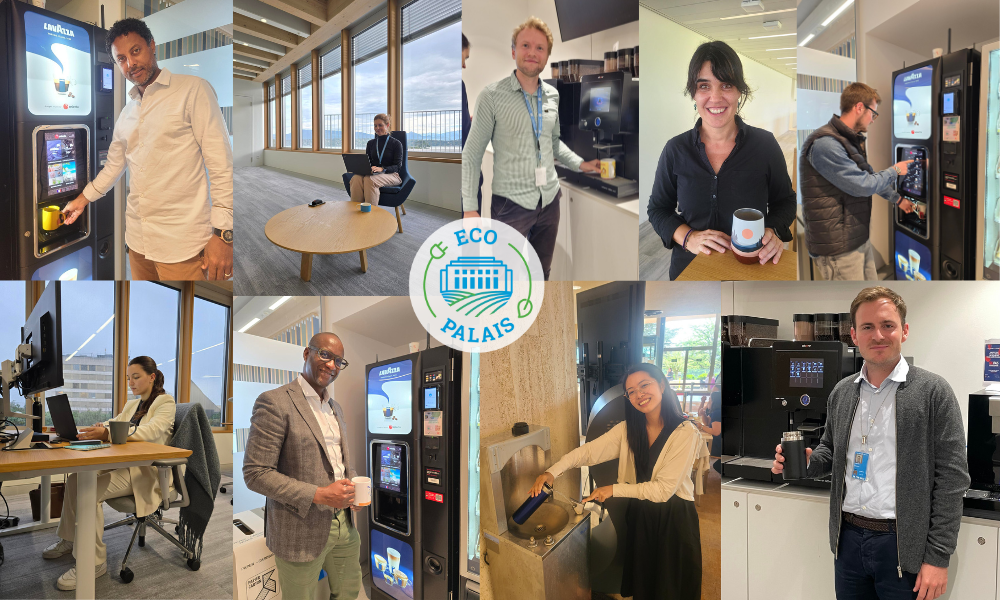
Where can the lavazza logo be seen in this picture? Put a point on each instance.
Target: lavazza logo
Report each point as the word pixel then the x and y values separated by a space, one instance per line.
pixel 912 77
pixel 388 371
pixel 56 28
pixel 476 285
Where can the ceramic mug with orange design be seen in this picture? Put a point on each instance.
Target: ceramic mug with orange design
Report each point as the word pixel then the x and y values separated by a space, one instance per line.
pixel 747 235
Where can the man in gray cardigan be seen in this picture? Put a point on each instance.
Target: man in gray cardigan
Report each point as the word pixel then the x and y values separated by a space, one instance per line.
pixel 894 446
pixel 298 457
pixel 837 187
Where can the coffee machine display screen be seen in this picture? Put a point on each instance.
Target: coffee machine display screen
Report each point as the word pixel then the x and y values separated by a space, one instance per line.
pixel 59 66
pixel 913 182
pixel 390 398
pixel 60 162
pixel 911 104
pixel 600 99
pixel 107 79
pixel 431 398
pixel 391 464
pixel 805 373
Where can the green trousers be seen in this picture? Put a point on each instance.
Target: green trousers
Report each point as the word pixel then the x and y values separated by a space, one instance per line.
pixel 340 559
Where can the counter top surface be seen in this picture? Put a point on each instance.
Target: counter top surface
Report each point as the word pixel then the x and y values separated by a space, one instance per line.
pixel 630 204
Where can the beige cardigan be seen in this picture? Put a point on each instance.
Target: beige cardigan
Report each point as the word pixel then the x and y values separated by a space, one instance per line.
pixel 671 472
pixel 156 426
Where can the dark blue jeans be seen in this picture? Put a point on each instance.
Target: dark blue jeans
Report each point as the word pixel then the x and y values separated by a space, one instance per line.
pixel 865 568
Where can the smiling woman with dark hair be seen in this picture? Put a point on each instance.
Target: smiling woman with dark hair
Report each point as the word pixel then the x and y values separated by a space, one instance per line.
pixel 721 165
pixel 657 448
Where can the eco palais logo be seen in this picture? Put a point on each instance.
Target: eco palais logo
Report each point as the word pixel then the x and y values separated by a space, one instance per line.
pixel 476 285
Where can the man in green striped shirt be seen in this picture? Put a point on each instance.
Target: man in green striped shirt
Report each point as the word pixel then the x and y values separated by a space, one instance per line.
pixel 520 115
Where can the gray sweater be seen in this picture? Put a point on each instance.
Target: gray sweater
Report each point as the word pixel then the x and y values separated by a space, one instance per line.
pixel 932 473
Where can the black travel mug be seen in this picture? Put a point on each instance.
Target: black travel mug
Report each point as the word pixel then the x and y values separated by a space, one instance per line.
pixel 793 448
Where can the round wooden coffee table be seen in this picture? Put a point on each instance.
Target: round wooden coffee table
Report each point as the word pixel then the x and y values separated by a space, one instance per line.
pixel 337 227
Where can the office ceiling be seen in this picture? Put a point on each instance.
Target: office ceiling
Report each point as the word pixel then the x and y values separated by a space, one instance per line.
pixel 924 25
pixel 710 19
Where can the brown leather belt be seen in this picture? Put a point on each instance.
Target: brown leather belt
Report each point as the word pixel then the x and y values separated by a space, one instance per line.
pixel 881 525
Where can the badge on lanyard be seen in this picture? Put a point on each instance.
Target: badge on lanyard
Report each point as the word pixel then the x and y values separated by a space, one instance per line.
pixel 860 470
pixel 541 175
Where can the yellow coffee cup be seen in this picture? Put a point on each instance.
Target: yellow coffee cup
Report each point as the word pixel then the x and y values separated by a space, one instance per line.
pixel 52 218
pixel 607 168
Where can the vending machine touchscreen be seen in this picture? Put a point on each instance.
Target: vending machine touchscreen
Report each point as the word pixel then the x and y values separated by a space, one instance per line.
pixel 390 505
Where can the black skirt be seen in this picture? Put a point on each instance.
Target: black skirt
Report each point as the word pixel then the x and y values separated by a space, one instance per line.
pixel 663 551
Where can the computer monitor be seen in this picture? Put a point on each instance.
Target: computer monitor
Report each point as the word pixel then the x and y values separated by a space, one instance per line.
pixel 43 331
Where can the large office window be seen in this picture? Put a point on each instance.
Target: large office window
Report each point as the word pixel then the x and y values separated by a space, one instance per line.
pixel 687 349
pixel 272 135
pixel 210 358
pixel 432 75
pixel 369 62
pixel 305 107
pixel 286 112
pixel 153 311
pixel 88 316
pixel 329 68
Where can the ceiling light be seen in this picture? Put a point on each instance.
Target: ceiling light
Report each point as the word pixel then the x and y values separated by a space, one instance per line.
pixel 770 12
pixel 775 49
pixel 808 39
pixel 194 65
pixel 245 44
pixel 577 287
pixel 760 37
pixel 784 58
pixel 252 322
pixel 279 302
pixel 263 20
pixel 837 12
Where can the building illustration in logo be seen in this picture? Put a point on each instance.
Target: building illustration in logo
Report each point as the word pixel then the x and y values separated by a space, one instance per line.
pixel 475 284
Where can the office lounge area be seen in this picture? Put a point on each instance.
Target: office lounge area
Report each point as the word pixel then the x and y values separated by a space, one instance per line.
pixel 92 331
pixel 305 75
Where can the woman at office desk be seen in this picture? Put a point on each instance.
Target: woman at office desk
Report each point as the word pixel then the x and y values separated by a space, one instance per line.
pixel 657 448
pixel 718 167
pixel 153 413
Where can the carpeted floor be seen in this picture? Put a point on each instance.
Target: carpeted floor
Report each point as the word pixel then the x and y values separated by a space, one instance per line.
pixel 261 268
pixel 160 568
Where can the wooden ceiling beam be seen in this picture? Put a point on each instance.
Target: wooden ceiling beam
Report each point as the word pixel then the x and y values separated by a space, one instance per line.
pixel 264 31
pixel 313 11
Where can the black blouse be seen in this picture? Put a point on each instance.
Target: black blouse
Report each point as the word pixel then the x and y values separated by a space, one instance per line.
pixel 392 153
pixel 686 190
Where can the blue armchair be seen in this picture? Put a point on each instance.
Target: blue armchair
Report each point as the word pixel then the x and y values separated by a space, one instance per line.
pixel 394 196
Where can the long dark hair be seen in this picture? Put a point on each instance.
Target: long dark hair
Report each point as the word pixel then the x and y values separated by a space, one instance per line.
pixel 726 66
pixel 635 421
pixel 148 366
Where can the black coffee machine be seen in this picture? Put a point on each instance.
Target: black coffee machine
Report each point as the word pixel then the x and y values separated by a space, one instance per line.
pixel 982 499
pixel 599 118
pixel 773 386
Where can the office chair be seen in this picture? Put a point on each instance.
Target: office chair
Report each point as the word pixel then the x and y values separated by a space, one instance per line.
pixel 394 196
pixel 126 504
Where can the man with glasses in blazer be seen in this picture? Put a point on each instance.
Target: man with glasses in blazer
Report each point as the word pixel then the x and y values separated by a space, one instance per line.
pixel 297 456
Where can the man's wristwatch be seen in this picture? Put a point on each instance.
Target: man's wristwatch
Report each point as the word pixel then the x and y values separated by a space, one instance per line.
pixel 225 234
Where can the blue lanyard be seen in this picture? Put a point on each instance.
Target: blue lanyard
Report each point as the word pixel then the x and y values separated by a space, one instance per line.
pixel 383 148
pixel 537 130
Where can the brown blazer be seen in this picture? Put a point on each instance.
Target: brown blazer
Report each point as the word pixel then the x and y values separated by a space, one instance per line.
pixel 286 461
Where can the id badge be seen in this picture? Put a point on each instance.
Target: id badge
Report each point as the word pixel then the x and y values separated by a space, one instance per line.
pixel 860 470
pixel 540 176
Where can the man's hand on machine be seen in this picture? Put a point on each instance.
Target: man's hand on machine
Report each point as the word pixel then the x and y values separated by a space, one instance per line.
pixel 544 478
pixel 339 494
pixel 75 208
pixel 902 167
pixel 778 465
pixel 591 166
pixel 905 205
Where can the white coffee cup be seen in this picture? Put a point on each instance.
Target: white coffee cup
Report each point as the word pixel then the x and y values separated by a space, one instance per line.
pixel 393 557
pixel 914 261
pixel 362 491
pixel 747 234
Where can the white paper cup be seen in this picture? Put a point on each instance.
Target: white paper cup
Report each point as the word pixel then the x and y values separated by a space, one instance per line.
pixel 362 491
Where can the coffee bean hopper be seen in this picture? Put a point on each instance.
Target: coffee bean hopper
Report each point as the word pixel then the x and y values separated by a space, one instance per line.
pixel 546 557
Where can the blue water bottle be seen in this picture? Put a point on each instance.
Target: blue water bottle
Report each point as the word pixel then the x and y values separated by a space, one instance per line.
pixel 531 505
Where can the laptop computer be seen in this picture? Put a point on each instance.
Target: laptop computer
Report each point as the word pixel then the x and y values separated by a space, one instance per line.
pixel 357 164
pixel 62 416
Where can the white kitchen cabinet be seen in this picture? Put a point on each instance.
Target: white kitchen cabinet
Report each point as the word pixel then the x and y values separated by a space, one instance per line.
pixel 602 239
pixel 734 544
pixel 972 572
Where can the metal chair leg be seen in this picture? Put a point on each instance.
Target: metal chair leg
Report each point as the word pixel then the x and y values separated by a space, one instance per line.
pixel 187 553
pixel 125 521
pixel 135 532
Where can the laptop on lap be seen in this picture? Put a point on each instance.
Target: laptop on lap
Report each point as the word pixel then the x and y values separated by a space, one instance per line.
pixel 357 164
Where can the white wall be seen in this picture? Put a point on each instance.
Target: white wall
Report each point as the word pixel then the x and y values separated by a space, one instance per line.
pixel 666 111
pixel 438 184
pixel 948 320
pixel 248 124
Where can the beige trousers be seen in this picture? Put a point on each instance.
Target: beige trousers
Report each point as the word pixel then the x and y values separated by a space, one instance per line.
pixel 144 269
pixel 110 484
pixel 366 188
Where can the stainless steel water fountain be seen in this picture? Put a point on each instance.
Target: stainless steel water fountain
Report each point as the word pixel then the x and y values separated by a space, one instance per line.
pixel 546 556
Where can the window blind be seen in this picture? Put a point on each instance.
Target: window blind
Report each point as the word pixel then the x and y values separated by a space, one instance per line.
pixel 422 17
